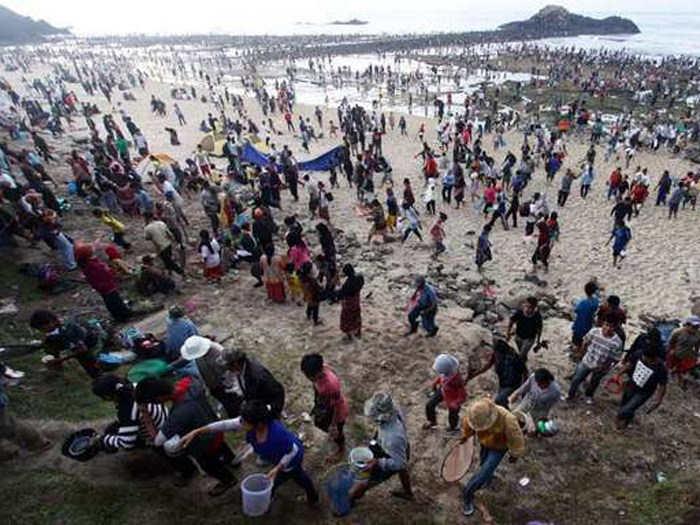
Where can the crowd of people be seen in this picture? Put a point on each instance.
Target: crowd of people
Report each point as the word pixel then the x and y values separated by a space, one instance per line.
pixel 247 207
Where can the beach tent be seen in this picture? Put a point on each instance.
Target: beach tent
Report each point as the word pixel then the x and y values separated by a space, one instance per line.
pixel 212 145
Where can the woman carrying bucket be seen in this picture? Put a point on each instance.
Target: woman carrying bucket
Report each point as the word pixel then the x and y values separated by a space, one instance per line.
pixel 271 441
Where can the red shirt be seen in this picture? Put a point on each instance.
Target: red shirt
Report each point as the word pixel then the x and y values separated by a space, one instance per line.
pixel 327 386
pixel 453 389
pixel 99 276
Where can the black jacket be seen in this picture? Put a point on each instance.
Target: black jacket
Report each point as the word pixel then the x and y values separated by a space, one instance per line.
pixel 259 383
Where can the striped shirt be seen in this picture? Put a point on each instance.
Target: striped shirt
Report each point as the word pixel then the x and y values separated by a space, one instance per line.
pixel 130 431
pixel 600 348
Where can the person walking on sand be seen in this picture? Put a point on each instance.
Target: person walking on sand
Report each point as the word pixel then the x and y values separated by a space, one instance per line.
pixel 449 386
pixel 584 317
pixel 622 235
pixel 351 309
pixel 601 349
pixel 483 248
pixel 424 305
pixel 437 232
pixel 331 408
pixel 498 433
pixel 527 323
pixel 544 246
pixel 411 223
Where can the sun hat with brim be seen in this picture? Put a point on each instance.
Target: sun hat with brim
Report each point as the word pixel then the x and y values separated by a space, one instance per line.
pixel 148 368
pixel 482 414
pixel 195 347
pixel 380 407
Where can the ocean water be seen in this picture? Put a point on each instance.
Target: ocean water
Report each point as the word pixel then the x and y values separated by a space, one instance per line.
pixel 662 34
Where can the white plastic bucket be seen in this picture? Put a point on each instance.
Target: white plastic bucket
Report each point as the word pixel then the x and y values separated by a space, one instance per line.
pixel 257 494
pixel 359 458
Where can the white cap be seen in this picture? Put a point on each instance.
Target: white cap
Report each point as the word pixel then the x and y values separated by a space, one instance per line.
pixel 195 347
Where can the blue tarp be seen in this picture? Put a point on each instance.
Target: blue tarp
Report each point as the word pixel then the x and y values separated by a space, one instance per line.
pixel 253 156
pixel 323 163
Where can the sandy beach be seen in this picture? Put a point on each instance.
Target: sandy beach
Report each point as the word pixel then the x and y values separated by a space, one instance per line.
pixel 660 277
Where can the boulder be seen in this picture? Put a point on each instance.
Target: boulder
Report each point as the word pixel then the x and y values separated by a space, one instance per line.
pixel 473 336
pixel 692 153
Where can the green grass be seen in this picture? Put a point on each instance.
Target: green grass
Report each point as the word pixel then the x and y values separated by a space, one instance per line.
pixel 49 496
pixel 66 397
pixel 660 503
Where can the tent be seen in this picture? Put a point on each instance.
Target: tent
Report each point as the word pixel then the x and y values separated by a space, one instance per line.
pixel 322 163
pixel 253 156
pixel 147 166
pixel 213 145
pixel 325 162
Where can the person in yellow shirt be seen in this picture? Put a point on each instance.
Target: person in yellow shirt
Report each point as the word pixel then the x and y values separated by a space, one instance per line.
pixel 498 432
pixel 118 229
pixel 296 290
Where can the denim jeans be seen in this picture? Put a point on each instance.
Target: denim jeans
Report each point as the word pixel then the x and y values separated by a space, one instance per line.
pixel 489 461
pixel 631 401
pixel 501 398
pixel 66 249
pixel 580 375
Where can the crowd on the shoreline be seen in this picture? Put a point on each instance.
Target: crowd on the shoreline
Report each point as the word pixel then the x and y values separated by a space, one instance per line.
pixel 243 203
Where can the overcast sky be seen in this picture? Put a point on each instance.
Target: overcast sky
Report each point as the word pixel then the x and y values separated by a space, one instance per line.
pixel 171 16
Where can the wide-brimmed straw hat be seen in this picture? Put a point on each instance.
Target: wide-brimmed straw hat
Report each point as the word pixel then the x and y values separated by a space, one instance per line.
pixel 482 414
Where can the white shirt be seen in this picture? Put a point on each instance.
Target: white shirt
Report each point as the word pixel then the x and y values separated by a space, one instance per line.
pixel 169 188
pixel 211 259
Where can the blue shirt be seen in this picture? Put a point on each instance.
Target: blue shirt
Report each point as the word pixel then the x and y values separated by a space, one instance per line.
pixel 585 314
pixel 279 443
pixel 145 201
pixel 622 237
pixel 179 330
pixel 427 298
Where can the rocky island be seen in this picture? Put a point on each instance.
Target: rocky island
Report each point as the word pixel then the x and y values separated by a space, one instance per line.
pixel 555 21
pixel 18 29
pixel 353 22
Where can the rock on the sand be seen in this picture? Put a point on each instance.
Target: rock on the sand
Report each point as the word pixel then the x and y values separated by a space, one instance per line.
pixel 473 336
